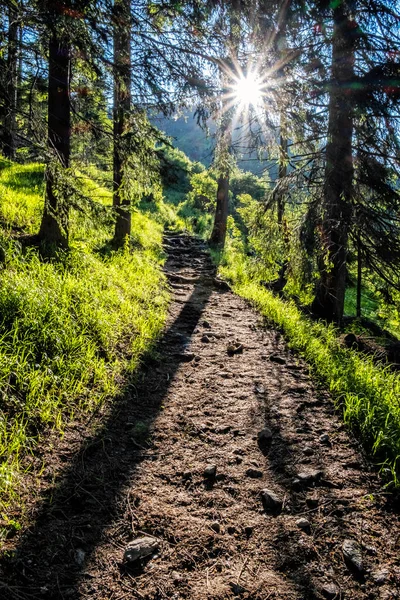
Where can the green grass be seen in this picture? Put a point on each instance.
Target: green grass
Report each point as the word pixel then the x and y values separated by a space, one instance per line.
pixel 21 193
pixel 72 329
pixel 368 394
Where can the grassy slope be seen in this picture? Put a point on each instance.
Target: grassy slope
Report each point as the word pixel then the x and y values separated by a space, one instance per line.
pixel 68 329
pixel 368 393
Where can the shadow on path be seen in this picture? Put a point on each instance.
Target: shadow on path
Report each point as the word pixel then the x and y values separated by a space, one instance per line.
pixel 50 560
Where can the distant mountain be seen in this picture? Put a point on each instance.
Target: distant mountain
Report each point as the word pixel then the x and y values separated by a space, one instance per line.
pixel 189 137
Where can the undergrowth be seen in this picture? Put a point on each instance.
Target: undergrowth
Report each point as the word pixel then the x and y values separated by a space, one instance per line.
pixel 367 393
pixel 70 329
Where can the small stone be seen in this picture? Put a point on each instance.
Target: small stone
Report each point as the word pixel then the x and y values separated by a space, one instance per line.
pixel 176 577
pixel 324 438
pixel 187 475
pixel 206 324
pixel 238 433
pixel 271 501
pixel 205 339
pixel 222 285
pixel 300 390
pixel 197 358
pixel 237 589
pixel 254 473
pixel 331 591
pixel 312 501
pixel 308 451
pixel 236 348
pixel 222 429
pixel 264 436
pixel 302 429
pixel 277 359
pixel 352 464
pixel 248 530
pixel 259 389
pixel 185 356
pixel 303 524
pixel 140 548
pixel 215 526
pixel 380 577
pixel 307 478
pixel 352 555
pixel 210 471
pixel 79 556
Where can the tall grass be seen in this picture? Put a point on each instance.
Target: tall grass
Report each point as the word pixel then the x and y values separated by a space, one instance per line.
pixel 71 329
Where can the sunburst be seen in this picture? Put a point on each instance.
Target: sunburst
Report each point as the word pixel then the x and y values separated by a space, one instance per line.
pixel 248 90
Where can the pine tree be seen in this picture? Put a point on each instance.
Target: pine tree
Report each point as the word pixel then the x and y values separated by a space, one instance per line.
pixel 228 68
pixel 121 114
pixel 10 96
pixel 339 171
pixel 54 225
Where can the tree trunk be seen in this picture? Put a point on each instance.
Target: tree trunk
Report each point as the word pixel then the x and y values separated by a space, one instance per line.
pixel 338 184
pixel 281 44
pixel 54 226
pixel 122 107
pixel 281 49
pixel 20 67
pixel 218 234
pixel 221 213
pixel 282 170
pixel 359 279
pixel 11 87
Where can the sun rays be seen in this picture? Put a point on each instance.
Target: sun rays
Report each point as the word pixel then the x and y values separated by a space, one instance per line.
pixel 248 90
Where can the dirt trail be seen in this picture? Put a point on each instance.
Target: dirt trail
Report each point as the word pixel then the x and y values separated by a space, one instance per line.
pixel 221 378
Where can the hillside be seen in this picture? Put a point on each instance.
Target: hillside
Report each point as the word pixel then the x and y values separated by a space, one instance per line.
pixel 198 145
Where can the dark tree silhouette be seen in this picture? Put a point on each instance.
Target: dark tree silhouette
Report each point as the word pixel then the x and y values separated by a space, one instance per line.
pixel 54 225
pixel 121 114
pixel 10 100
pixel 229 67
pixel 339 171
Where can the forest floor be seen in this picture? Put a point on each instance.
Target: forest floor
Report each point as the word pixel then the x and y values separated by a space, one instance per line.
pixel 224 412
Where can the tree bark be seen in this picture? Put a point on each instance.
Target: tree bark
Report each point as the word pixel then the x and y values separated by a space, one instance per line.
pixel 282 167
pixel 218 234
pixel 122 107
pixel 338 182
pixel 11 86
pixel 54 226
pixel 281 46
pixel 221 213
pixel 359 279
pixel 281 49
